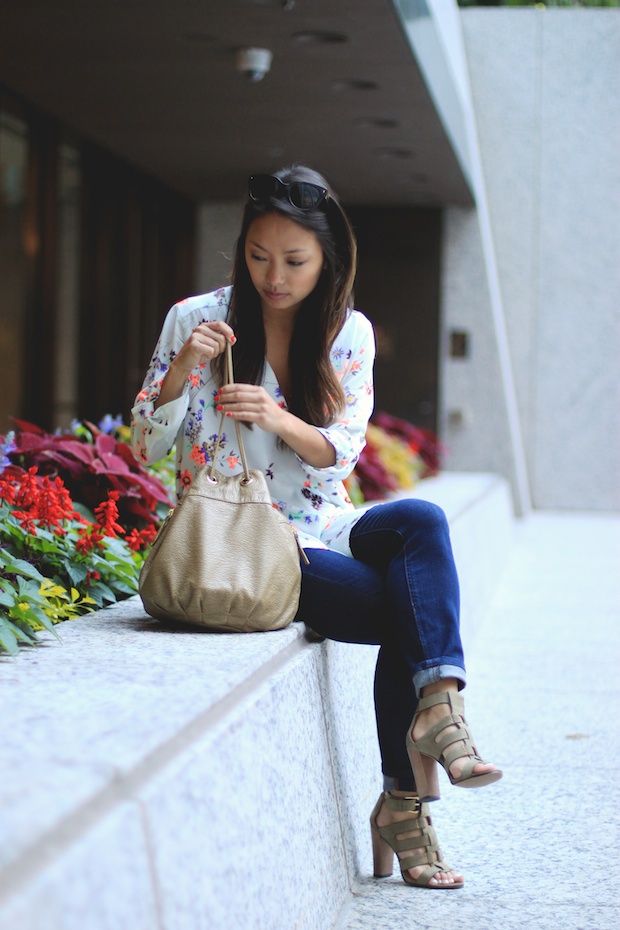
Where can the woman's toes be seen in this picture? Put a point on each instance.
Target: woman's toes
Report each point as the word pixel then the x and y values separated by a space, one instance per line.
pixel 483 767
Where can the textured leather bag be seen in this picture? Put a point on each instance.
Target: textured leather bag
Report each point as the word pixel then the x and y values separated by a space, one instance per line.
pixel 224 558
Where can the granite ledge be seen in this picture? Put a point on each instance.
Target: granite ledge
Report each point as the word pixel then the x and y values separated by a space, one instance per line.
pixel 97 714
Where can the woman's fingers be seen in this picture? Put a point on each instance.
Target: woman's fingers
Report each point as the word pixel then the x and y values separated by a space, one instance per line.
pixel 249 402
pixel 206 342
pixel 219 330
pixel 246 395
pixel 212 337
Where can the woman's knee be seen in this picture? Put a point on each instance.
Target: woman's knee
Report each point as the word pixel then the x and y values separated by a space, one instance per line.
pixel 419 514
pixel 385 529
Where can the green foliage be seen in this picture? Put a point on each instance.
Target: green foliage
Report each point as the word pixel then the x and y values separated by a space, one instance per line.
pixel 58 558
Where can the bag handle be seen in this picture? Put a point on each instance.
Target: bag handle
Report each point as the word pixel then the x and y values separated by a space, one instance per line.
pixel 229 379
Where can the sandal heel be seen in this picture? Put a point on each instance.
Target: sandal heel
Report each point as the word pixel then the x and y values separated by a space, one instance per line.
pixel 382 856
pixel 424 772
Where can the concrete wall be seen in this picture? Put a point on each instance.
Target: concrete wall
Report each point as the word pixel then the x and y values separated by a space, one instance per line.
pixel 218 226
pixel 546 98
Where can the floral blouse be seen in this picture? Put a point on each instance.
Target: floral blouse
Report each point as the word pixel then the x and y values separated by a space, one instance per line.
pixel 313 499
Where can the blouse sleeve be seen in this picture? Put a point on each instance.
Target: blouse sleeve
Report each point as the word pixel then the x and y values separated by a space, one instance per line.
pixel 353 355
pixel 154 431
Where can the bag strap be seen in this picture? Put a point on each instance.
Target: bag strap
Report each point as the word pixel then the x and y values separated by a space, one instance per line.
pixel 229 379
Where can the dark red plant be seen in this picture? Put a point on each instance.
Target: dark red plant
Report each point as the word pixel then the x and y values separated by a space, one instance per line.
pixel 90 470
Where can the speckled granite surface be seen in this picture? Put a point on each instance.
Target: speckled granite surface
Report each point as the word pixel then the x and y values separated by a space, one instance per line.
pixel 161 779
pixel 541 848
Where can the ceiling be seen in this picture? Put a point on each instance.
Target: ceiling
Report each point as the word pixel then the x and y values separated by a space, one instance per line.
pixel 155 82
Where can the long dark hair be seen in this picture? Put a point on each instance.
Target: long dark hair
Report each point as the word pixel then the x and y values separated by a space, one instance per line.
pixel 316 396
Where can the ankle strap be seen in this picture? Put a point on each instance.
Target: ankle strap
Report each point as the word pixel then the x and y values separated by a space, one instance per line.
pixel 452 698
pixel 411 803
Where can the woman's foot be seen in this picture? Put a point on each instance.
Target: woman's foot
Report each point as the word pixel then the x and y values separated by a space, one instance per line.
pixel 398 807
pixel 439 733
pixel 426 719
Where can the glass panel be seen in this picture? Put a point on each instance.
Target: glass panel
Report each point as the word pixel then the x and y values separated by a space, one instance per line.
pixel 67 321
pixel 13 262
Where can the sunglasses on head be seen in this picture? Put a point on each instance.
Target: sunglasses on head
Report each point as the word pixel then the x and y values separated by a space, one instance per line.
pixel 300 194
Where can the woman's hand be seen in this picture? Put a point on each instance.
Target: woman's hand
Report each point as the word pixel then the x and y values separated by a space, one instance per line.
pixel 205 343
pixel 253 404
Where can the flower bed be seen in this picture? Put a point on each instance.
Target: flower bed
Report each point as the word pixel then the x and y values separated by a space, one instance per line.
pixel 78 512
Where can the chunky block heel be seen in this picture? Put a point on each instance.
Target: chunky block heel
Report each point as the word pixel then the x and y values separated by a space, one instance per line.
pixel 425 849
pixel 382 854
pixel 424 772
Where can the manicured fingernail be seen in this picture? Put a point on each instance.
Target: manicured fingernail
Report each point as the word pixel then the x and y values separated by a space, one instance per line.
pixel 229 414
pixel 233 339
pixel 219 407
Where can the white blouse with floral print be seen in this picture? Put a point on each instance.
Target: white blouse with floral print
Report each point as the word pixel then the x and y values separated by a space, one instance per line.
pixel 313 499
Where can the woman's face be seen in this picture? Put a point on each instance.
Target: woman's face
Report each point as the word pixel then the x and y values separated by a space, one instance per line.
pixel 284 260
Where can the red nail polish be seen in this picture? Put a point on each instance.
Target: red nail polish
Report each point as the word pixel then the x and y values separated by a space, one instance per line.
pixel 229 414
pixel 233 339
pixel 219 407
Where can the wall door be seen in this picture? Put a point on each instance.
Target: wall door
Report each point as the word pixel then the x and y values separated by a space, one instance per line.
pixel 398 289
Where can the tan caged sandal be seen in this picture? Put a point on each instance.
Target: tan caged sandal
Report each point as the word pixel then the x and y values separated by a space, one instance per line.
pixel 386 842
pixel 456 743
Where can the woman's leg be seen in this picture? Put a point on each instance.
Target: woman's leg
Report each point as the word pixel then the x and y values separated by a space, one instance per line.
pixel 401 592
pixel 345 600
pixel 408 542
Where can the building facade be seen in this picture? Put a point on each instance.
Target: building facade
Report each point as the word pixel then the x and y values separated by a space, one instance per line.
pixel 492 282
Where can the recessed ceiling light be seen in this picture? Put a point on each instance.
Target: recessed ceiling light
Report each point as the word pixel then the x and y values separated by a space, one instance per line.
pixel 316 37
pixel 376 122
pixel 354 85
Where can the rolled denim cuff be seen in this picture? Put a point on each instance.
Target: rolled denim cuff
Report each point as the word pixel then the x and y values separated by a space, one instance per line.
pixel 427 676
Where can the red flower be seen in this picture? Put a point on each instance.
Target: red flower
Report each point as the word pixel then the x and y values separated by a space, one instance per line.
pixel 107 514
pixel 8 491
pixel 26 521
pixel 39 501
pixel 90 537
pixel 140 539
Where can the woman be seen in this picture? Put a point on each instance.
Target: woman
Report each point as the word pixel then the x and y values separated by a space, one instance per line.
pixel 303 367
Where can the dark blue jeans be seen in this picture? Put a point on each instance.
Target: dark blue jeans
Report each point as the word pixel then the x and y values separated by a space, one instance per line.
pixel 401 592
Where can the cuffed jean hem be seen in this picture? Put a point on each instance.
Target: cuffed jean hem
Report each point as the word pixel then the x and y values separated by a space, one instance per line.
pixel 395 783
pixel 427 676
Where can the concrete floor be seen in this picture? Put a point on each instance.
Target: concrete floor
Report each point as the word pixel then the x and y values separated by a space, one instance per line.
pixel 540 849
